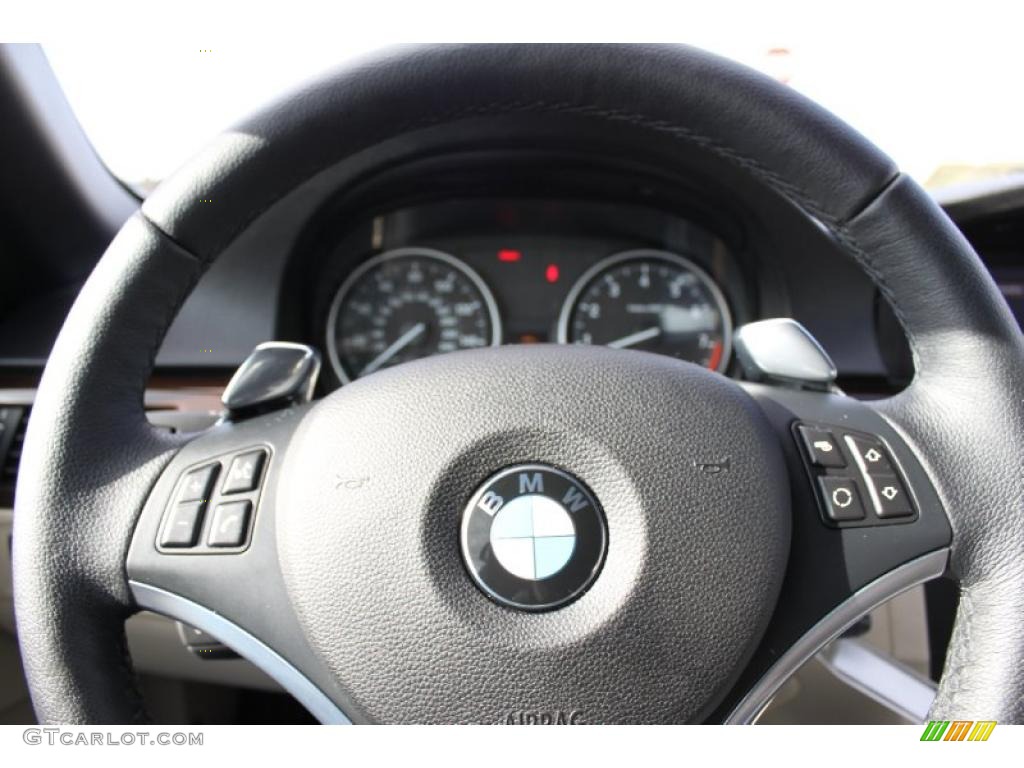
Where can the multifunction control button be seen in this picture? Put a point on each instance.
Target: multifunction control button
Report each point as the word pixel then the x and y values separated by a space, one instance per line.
pixel 229 524
pixel 892 498
pixel 204 520
pixel 870 455
pixel 198 483
pixel 244 474
pixel 822 448
pixel 181 529
pixel 842 500
pixel 856 478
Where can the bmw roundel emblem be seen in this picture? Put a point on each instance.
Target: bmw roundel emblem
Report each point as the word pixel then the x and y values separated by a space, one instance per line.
pixel 533 537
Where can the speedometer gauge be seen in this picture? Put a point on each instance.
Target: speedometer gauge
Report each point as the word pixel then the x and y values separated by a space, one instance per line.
pixel 653 301
pixel 406 304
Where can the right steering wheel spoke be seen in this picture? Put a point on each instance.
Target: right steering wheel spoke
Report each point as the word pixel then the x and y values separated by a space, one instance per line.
pixel 867 525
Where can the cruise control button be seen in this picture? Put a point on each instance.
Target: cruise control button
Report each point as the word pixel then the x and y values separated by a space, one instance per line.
pixel 198 483
pixel 871 453
pixel 892 498
pixel 182 526
pixel 244 474
pixel 192 636
pixel 842 501
pixel 229 524
pixel 822 447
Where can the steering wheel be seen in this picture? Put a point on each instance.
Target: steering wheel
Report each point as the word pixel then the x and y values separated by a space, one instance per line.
pixel 711 572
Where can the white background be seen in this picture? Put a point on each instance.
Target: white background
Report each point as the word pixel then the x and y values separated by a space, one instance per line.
pixel 932 83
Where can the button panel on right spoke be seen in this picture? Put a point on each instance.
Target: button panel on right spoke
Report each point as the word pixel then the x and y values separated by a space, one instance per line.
pixel 856 481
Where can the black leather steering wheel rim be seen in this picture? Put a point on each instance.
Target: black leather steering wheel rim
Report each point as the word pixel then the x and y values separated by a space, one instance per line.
pixel 90 457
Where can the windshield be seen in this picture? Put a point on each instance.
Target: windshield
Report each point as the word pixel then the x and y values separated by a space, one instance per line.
pixel 938 98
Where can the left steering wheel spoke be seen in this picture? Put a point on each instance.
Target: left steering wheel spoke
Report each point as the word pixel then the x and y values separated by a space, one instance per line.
pixel 867 524
pixel 204 552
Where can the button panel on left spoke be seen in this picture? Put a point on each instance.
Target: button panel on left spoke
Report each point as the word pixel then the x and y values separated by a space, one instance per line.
pixel 213 506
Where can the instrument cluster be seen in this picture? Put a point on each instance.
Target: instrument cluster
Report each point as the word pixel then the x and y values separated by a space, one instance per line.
pixel 451 276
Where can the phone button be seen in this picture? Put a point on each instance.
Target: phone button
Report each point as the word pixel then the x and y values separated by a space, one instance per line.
pixel 230 524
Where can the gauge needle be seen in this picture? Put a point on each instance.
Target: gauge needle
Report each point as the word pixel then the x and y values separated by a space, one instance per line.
pixel 635 338
pixel 397 346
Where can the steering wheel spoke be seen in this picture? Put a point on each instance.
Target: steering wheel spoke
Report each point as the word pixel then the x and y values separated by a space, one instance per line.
pixel 204 552
pixel 867 525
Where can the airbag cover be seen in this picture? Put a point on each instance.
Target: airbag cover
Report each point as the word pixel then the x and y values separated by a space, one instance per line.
pixel 692 485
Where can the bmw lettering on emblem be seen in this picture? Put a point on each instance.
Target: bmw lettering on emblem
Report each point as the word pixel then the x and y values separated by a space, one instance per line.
pixel 533 537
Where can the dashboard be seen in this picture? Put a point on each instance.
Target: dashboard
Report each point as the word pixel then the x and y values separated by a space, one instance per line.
pixel 386 262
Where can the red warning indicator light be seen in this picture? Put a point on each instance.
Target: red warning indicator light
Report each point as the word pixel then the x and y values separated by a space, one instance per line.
pixel 509 255
pixel 551 273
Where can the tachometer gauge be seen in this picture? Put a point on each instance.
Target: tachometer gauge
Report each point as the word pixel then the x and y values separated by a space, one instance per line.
pixel 406 304
pixel 653 301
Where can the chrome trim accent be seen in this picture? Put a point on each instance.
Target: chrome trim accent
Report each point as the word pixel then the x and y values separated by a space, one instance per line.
pixel 245 645
pixel 880 677
pixel 843 616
